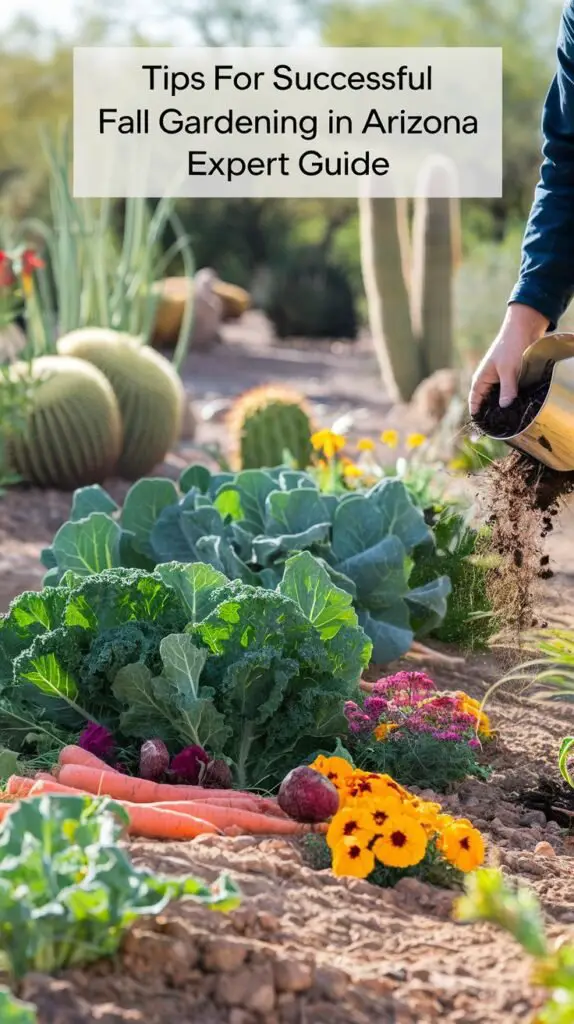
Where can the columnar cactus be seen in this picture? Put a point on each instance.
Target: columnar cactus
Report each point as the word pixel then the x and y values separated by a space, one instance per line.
pixel 267 422
pixel 410 293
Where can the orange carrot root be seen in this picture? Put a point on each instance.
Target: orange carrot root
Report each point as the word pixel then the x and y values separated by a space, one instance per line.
pixel 73 754
pixel 18 785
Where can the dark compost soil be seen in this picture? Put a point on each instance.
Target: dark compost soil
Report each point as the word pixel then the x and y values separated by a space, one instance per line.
pixel 498 422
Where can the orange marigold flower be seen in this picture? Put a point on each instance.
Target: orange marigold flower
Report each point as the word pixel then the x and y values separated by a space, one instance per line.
pixel 383 730
pixel 334 768
pixel 402 843
pixel 353 471
pixel 353 857
pixel 462 845
pixel 349 821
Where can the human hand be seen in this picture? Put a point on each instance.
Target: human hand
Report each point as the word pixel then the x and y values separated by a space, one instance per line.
pixel 522 326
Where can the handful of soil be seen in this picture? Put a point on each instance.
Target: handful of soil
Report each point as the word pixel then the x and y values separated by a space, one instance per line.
pixel 501 423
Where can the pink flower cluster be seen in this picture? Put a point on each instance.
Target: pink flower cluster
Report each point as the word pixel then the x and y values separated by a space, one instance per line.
pixel 410 702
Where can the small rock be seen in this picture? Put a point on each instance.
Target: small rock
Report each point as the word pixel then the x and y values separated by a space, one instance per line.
pixel 331 983
pixel 421 974
pixel 269 922
pixel 293 976
pixel 249 989
pixel 223 955
pixel 553 826
pixel 544 850
pixel 533 818
pixel 238 1016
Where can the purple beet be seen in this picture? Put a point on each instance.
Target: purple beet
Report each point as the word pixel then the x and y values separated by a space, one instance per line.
pixel 154 760
pixel 305 795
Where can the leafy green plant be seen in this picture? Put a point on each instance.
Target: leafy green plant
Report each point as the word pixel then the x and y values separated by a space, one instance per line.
pixel 68 892
pixel 489 898
pixel 566 752
pixel 461 553
pixel 92 277
pixel 13 1011
pixel 550 677
pixel 249 524
pixel 255 676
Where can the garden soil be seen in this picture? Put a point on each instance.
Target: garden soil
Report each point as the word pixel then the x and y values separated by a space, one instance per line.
pixel 305 947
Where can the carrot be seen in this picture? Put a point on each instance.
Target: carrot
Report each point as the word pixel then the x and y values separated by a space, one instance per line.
pixel 18 785
pixel 141 791
pixel 155 821
pixel 249 822
pixel 73 754
pixel 51 786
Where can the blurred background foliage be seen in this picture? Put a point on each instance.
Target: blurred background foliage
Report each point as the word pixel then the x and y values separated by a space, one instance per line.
pixel 260 244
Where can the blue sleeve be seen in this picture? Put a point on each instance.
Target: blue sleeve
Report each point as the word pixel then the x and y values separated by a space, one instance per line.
pixel 546 279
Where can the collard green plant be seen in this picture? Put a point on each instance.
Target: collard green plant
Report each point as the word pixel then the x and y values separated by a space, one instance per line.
pixel 68 892
pixel 258 677
pixel 248 525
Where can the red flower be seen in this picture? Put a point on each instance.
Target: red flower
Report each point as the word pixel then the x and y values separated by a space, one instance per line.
pixel 7 278
pixel 31 262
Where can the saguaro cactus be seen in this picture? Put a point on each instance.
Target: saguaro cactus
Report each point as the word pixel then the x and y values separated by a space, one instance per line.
pixel 409 283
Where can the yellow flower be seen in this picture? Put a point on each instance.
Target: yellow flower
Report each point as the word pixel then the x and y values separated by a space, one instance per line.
pixel 365 444
pixel 426 812
pixel 328 443
pixel 353 857
pixel 462 845
pixel 350 821
pixel 352 470
pixel 390 438
pixel 383 730
pixel 415 441
pixel 378 811
pixel 334 768
pixel 402 843
pixel 367 785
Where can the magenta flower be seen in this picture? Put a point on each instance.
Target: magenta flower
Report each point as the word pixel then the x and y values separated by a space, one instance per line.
pixel 97 740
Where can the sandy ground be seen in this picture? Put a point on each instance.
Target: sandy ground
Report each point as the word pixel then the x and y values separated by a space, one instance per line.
pixel 305 947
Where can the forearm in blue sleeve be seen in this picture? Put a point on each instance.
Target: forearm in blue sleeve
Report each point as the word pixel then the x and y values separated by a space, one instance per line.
pixel 546 279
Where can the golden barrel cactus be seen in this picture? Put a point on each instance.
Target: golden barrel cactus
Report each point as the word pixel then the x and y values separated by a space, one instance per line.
pixel 73 436
pixel 173 293
pixel 149 392
pixel 265 423
pixel 236 301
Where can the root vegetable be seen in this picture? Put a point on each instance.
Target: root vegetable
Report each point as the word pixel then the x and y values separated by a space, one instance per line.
pixel 73 754
pixel 154 760
pixel 307 796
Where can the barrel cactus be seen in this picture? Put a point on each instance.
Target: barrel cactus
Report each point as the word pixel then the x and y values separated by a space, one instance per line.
pixel 148 390
pixel 236 301
pixel 267 422
pixel 73 437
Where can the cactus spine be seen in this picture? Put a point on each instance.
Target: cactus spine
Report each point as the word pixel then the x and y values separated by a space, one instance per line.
pixel 266 422
pixel 149 392
pixel 73 436
pixel 410 293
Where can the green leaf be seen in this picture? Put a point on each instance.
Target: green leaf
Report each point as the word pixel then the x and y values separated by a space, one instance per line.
pixel 379 574
pixel 228 503
pixel 12 1011
pixel 566 752
pixel 30 615
pixel 195 476
pixel 309 585
pixel 429 603
pixel 253 487
pixel 194 714
pixel 118 596
pixel 179 527
pixel 267 550
pixel 399 515
pixel 89 545
pixel 196 586
pixel 142 507
pixel 48 675
pixel 389 632
pixel 48 559
pixel 9 765
pixel 218 553
pixel 145 712
pixel 91 499
pixel 294 512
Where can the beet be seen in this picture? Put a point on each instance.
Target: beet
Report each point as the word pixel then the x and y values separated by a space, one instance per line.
pixel 188 767
pixel 154 760
pixel 217 775
pixel 306 795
